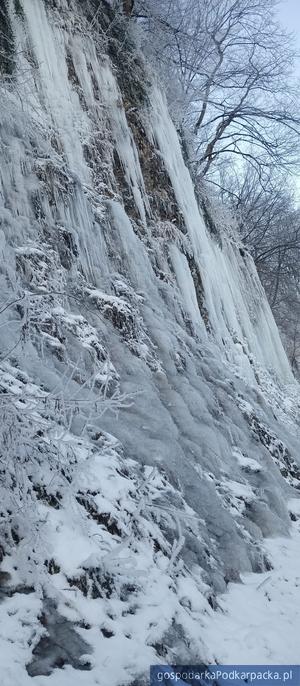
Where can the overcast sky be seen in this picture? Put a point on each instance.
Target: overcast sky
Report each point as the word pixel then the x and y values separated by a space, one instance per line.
pixel 289 15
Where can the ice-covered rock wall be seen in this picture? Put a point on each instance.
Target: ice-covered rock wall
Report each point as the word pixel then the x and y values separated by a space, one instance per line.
pixel 149 437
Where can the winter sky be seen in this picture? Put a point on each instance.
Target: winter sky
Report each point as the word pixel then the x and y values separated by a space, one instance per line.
pixel 289 15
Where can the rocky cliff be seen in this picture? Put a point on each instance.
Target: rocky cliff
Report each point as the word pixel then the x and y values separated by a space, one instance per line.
pixel 149 416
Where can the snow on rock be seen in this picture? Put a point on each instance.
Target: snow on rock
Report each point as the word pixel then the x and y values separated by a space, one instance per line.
pixel 247 463
pixel 150 422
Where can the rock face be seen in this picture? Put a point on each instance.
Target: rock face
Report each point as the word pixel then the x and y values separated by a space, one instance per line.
pixel 149 415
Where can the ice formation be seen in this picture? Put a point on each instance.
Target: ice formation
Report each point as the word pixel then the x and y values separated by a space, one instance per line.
pixel 150 431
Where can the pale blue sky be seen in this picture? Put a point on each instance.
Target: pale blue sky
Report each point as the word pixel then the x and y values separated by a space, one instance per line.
pixel 289 16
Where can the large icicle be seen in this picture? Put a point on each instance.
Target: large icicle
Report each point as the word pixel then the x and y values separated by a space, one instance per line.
pixel 227 294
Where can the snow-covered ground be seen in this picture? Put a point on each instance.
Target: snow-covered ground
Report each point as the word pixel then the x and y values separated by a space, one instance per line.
pixel 259 619
pixel 257 622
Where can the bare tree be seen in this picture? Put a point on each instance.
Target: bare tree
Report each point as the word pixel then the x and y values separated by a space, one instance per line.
pixel 232 63
pixel 269 224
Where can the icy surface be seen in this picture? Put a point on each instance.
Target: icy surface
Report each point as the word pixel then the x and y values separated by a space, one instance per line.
pixel 150 421
pixel 230 283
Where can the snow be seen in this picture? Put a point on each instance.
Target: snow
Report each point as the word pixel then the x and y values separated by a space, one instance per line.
pixel 240 490
pixel 19 631
pixel 258 621
pixel 142 475
pixel 247 463
pixel 294 506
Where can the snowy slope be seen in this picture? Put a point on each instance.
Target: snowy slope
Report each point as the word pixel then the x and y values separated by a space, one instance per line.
pixel 150 432
pixel 260 619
